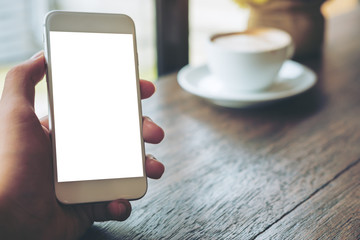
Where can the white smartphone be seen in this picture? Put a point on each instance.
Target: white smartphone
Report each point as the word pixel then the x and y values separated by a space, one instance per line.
pixel 95 114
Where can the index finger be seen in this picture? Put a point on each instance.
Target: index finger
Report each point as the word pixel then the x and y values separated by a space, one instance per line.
pixel 147 89
pixel 20 81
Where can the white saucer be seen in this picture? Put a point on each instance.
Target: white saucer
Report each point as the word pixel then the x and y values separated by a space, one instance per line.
pixel 293 78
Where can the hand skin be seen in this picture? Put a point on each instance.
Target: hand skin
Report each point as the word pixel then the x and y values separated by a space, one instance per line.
pixel 28 206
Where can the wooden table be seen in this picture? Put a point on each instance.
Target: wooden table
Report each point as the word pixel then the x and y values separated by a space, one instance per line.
pixel 286 171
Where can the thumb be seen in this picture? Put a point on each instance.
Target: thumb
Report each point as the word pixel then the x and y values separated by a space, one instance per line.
pixel 118 210
pixel 21 80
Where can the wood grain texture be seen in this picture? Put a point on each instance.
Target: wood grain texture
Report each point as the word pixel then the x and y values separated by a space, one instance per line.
pixel 235 174
pixel 337 209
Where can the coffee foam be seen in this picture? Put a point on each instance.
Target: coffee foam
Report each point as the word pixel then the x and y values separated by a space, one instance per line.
pixel 253 40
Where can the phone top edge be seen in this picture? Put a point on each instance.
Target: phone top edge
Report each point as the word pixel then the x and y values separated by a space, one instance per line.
pixel 58 20
pixel 63 12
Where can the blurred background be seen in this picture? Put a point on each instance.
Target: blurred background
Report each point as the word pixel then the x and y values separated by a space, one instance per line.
pixel 21 28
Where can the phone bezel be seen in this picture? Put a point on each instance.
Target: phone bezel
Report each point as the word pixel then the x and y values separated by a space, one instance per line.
pixel 92 190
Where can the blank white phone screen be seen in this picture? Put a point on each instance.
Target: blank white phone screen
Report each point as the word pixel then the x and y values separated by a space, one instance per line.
pixel 95 104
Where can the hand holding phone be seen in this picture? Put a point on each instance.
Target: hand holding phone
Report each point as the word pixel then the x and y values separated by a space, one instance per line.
pixel 28 207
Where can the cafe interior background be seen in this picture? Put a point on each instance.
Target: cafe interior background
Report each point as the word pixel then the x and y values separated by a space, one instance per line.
pixel 21 27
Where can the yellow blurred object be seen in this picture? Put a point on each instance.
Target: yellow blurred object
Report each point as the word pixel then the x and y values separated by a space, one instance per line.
pixel 336 7
pixel 245 3
pixel 3 72
pixel 330 8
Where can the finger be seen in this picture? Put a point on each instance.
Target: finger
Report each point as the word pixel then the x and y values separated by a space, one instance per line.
pixel 152 133
pixel 118 210
pixel 45 122
pixel 147 89
pixel 154 168
pixel 21 80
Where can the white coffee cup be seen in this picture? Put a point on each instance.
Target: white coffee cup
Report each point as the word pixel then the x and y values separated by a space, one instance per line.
pixel 249 60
